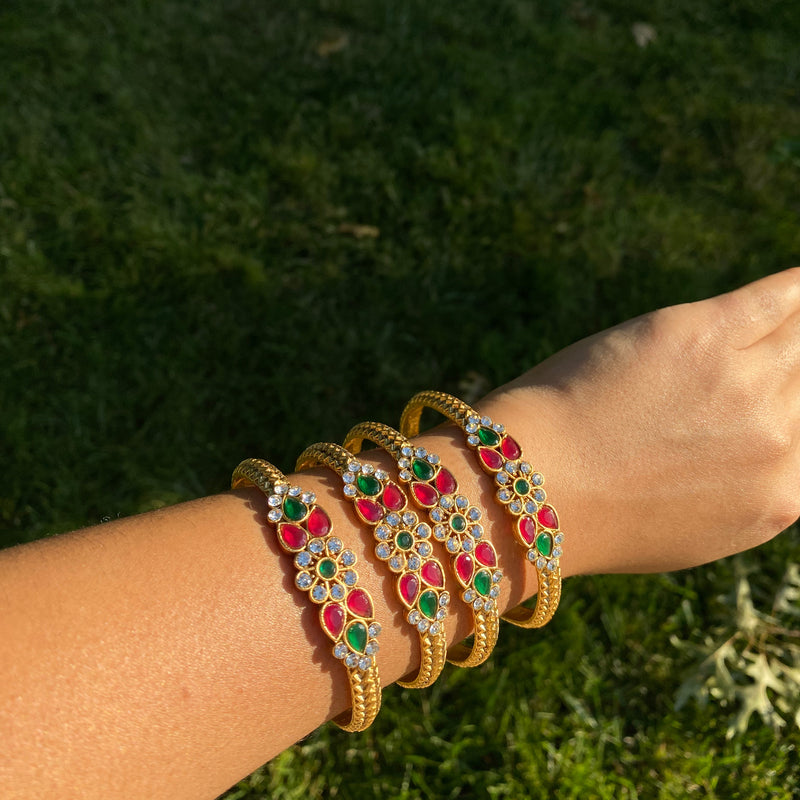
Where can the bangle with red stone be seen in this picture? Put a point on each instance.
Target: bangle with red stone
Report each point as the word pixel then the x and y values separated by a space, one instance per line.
pixel 403 542
pixel 456 524
pixel 520 490
pixel 326 570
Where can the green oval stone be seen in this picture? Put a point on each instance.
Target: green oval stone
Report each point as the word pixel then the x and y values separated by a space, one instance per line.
pixel 521 486
pixel 488 437
pixel 294 509
pixel 544 544
pixel 327 568
pixel 357 636
pixel 404 540
pixel 422 469
pixel 429 603
pixel 483 582
pixel 368 484
pixel 458 522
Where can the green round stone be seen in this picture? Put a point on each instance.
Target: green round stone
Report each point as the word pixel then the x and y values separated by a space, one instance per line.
pixel 422 469
pixel 327 568
pixel 294 509
pixel 458 522
pixel 404 540
pixel 483 582
pixel 488 437
pixel 368 484
pixel 357 636
pixel 521 486
pixel 429 603
pixel 544 544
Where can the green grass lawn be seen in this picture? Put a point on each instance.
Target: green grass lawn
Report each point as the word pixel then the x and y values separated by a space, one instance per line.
pixel 230 229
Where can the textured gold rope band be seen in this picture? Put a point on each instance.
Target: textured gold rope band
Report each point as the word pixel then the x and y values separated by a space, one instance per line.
pixel 326 570
pixel 519 490
pixel 456 524
pixel 402 541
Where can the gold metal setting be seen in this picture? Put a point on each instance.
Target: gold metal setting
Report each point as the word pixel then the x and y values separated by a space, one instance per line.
pixel 326 571
pixel 403 542
pixel 520 490
pixel 455 523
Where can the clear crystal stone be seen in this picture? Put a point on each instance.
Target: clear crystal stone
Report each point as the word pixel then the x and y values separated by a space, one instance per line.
pixel 497 427
pixel 340 651
pixel 558 552
pixel 453 545
pixel 470 427
pixel 406 476
pixel 302 559
pixel 541 562
pixel 474 514
pixel 494 591
pixel 334 545
pixel 515 506
pixel 469 596
pixel 319 593
pixel 403 463
pixel 501 478
pixel 367 469
pixel 461 502
pixel 497 576
pixel 530 507
pixel 467 545
pixel 364 663
pixel 396 563
pixel 525 467
pixel 531 555
pixel 294 491
pixel 444 599
pixel 348 477
pixel 476 531
pixel 504 495
pixel 486 422
pixel 436 515
pixel 281 488
pixel 424 549
pixel 413 563
pixel 439 533
pixel 393 519
pixel 407 451
pixel 351 660
pixel 510 467
pixel 350 578
pixel 477 604
pixel 413 616
pixel 348 558
pixel 537 479
pixel 559 538
pixel 337 591
pixel 539 495
pixel 308 497
pixel 420 452
pixel 441 613
pixel 551 565
pixel 381 474
pixel 303 580
pixel 473 418
pixel 423 625
pixel 349 490
pixel 409 518
pixel 488 605
pixel 434 629
pixel 316 546
pixel 472 439
pixel 274 514
pixel 445 501
pixel 273 501
pixel 382 532
pixel 371 648
pixel 354 466
pixel 383 551
pixel 423 530
pixel 375 629
pixel 433 458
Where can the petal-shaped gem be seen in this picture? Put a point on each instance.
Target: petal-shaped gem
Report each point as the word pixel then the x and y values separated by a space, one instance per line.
pixel 292 537
pixel 409 588
pixel 484 552
pixel 425 494
pixel 547 517
pixel 369 510
pixel 294 509
pixel 544 544
pixel 368 484
pixel 527 529
pixel 332 619
pixel 511 450
pixel 464 568
pixel 432 573
pixel 357 636
pixel 491 458
pixel 393 497
pixel 445 482
pixel 360 603
pixel 422 469
pixel 483 582
pixel 319 523
pixel 488 436
pixel 429 603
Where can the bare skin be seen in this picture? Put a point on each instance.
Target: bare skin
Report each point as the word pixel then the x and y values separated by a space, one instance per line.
pixel 168 655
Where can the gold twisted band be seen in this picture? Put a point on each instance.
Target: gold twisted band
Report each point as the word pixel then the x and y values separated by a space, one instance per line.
pixel 520 490
pixel 326 570
pixel 403 542
pixel 456 524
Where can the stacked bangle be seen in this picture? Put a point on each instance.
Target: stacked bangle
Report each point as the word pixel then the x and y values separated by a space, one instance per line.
pixel 520 491
pixel 403 542
pixel 326 570
pixel 456 524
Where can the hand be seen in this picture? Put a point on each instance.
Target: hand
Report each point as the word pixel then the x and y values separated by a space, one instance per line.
pixel 672 439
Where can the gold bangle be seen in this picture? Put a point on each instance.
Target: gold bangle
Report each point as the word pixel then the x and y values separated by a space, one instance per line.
pixel 326 570
pixel 456 524
pixel 403 542
pixel 520 491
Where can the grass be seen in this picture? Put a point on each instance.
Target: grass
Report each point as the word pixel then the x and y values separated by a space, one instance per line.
pixel 181 186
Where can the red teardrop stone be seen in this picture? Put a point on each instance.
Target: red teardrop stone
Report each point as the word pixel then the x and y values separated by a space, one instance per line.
pixel 527 529
pixel 333 619
pixel 369 510
pixel 484 552
pixel 491 458
pixel 425 494
pixel 409 588
pixel 445 482
pixel 511 450
pixel 393 498
pixel 319 523
pixel 464 567
pixel 547 516
pixel 432 574
pixel 293 536
pixel 358 601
